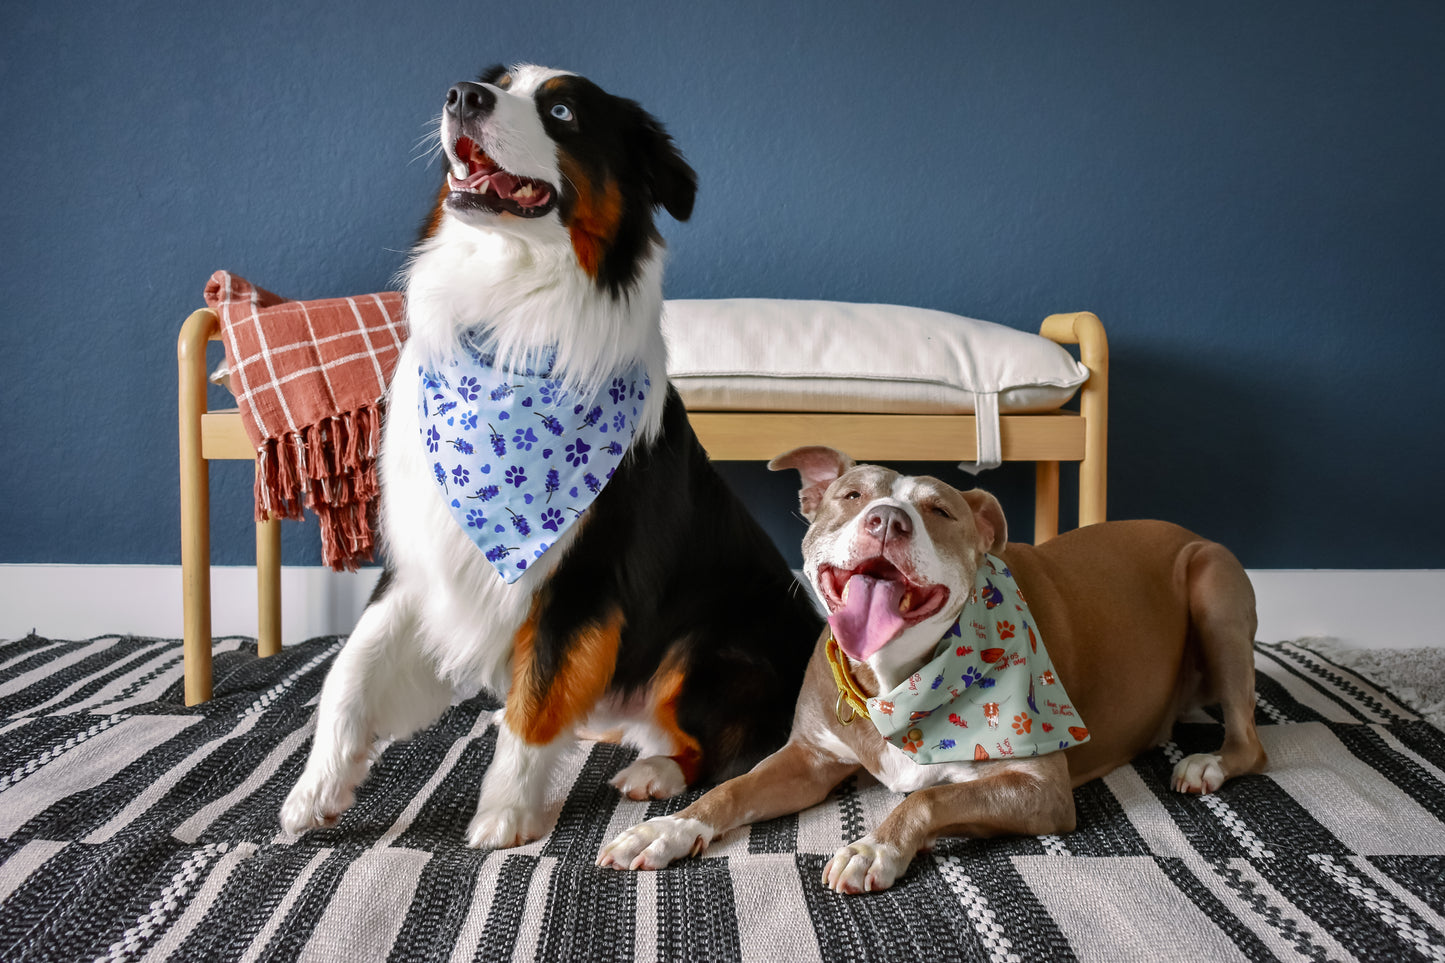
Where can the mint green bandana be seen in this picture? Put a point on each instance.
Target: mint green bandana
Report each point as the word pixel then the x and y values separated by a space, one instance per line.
pixel 990 691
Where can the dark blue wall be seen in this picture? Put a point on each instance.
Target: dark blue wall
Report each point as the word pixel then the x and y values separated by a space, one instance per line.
pixel 1252 197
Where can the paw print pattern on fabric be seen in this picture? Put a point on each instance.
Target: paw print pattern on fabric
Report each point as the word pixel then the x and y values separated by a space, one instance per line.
pixel 939 720
pixel 548 451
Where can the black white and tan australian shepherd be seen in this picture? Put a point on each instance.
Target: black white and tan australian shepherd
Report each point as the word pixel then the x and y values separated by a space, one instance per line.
pixel 660 612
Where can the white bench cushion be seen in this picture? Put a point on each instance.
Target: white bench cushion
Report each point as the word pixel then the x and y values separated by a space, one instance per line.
pixel 755 354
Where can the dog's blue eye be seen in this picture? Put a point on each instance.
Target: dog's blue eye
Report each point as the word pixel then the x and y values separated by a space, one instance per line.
pixel 561 112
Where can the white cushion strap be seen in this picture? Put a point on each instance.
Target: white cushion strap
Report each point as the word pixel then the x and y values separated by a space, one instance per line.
pixel 990 444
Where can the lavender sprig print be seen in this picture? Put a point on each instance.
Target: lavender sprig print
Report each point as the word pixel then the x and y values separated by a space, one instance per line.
pixel 498 443
pixel 519 522
pixel 486 493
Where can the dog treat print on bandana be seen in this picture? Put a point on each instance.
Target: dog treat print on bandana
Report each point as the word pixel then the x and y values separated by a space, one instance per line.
pixel 990 691
pixel 518 456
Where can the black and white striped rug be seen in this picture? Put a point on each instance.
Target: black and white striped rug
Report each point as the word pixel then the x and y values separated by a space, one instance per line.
pixel 133 828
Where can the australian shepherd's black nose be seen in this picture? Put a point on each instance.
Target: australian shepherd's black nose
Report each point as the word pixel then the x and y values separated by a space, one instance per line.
pixel 554 532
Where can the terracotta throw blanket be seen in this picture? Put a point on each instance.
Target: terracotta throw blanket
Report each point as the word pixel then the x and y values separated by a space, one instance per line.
pixel 309 377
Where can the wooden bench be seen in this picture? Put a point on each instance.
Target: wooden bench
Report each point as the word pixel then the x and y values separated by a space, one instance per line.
pixel 1046 439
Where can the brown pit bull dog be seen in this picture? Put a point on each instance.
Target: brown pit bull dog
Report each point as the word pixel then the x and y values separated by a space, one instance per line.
pixel 938 677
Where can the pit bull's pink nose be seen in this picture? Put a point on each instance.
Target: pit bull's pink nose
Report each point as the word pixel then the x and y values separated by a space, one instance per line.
pixel 885 522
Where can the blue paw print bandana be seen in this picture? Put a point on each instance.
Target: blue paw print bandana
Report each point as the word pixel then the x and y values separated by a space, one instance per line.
pixel 991 690
pixel 518 456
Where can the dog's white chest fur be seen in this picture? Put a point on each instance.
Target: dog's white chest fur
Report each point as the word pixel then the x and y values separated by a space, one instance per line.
pixel 469 615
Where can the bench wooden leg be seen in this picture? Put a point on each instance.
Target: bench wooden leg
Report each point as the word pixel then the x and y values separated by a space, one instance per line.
pixel 1046 501
pixel 268 586
pixel 195 512
pixel 196 582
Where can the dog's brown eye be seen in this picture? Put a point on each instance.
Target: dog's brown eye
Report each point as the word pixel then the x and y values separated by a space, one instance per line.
pixel 942 512
pixel 851 495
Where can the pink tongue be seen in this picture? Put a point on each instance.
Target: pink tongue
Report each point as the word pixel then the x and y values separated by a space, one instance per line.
pixel 869 619
pixel 503 184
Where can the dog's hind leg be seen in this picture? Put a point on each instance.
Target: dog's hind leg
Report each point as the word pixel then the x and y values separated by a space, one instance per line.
pixel 671 757
pixel 1222 613
pixel 380 685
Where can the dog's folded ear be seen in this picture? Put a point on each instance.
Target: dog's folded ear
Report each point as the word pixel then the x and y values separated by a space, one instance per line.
pixel 988 519
pixel 670 179
pixel 819 466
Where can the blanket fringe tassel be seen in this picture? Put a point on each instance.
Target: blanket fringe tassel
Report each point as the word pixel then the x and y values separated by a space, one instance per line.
pixel 330 468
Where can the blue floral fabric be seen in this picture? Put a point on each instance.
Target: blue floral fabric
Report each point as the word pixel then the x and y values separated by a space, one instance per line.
pixel 518 456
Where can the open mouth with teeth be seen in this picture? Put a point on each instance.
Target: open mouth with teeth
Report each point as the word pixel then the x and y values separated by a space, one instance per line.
pixel 871 605
pixel 488 187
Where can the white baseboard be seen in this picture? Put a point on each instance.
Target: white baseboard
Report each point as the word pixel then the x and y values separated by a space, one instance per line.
pixel 83 601
pixel 1373 608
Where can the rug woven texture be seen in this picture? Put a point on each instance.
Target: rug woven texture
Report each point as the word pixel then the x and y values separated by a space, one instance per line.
pixel 133 828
